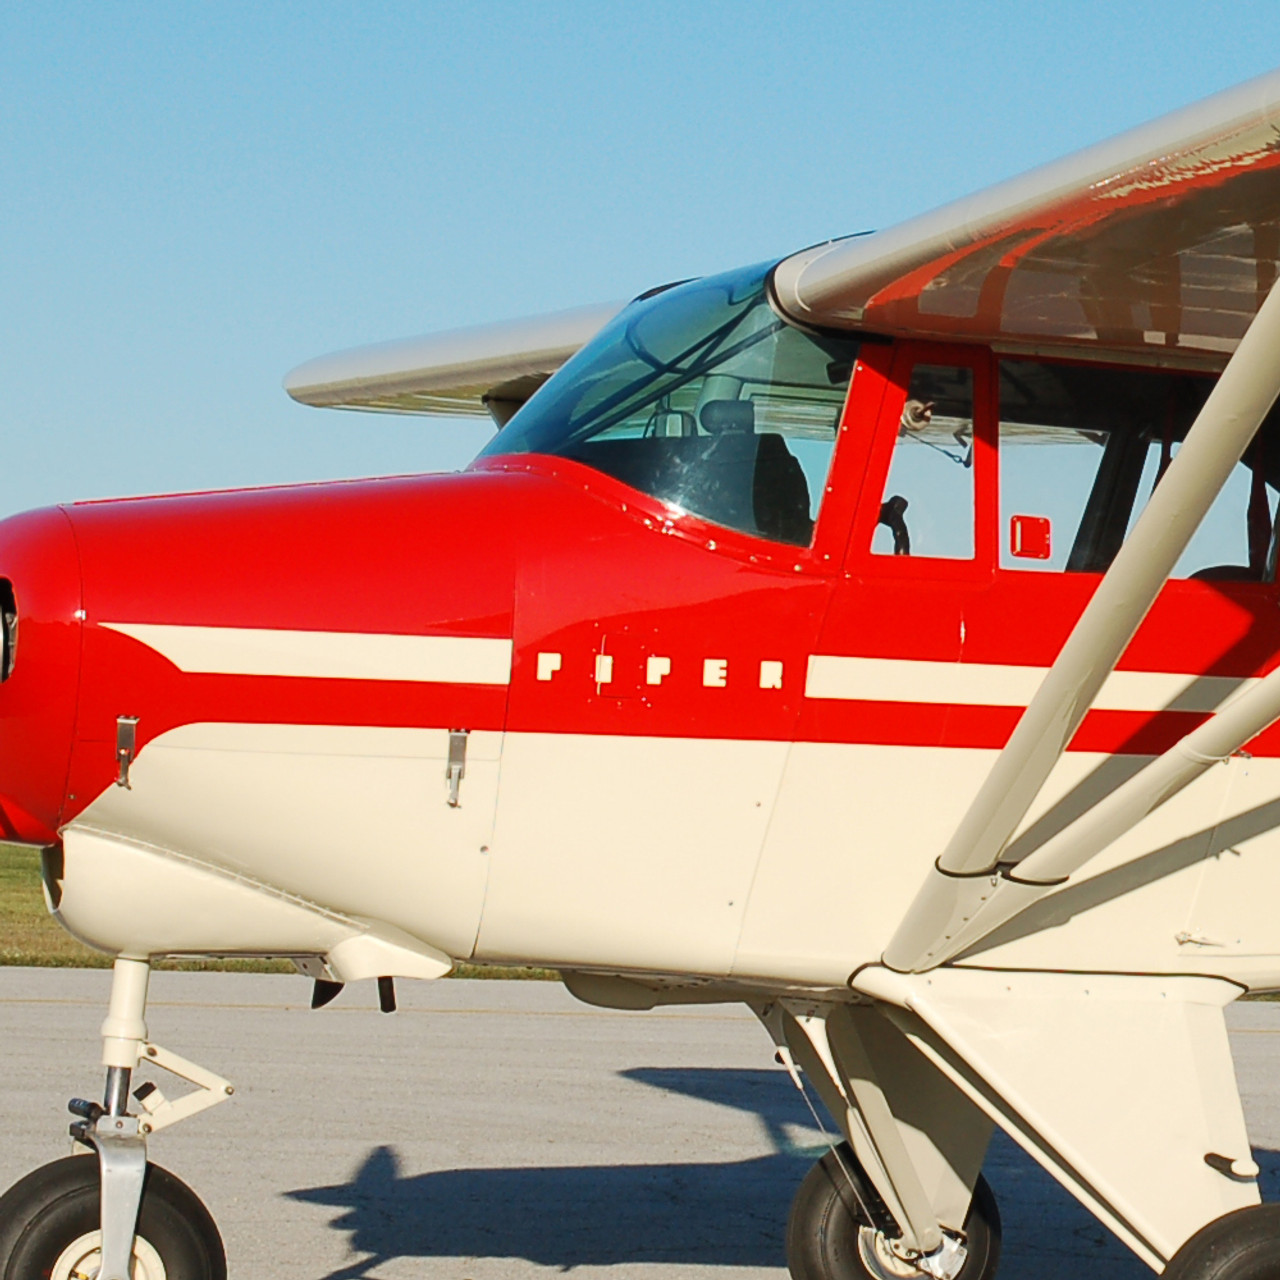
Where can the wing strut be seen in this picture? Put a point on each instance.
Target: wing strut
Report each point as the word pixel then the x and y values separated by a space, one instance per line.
pixel 966 873
pixel 1047 868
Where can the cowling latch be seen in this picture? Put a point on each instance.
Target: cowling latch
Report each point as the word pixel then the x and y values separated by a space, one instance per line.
pixel 456 768
pixel 126 747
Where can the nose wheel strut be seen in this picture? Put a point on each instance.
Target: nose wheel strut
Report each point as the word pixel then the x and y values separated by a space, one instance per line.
pixel 130 1218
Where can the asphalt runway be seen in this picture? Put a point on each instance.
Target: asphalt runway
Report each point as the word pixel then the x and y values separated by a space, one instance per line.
pixel 502 1131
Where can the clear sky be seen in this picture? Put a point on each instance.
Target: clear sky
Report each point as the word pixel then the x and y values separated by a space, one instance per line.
pixel 197 198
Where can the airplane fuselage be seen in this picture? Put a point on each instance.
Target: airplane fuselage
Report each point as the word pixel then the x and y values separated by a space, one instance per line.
pixel 531 713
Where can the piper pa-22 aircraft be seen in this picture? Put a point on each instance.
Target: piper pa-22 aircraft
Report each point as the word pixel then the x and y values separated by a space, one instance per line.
pixel 886 637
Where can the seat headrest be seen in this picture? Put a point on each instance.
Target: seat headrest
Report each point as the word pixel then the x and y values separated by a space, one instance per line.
pixel 719 416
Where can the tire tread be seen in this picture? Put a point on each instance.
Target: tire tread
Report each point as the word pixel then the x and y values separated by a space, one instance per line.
pixel 49 1207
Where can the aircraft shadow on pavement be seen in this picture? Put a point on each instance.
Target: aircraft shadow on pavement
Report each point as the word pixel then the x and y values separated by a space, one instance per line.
pixel 713 1213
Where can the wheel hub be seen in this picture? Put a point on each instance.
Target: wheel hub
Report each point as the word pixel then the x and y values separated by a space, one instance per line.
pixel 880 1260
pixel 82 1259
pixel 884 1262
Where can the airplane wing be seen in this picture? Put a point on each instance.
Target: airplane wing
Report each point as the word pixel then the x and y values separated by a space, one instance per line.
pixel 1160 243
pixel 490 368
pixel 1180 221
pixel 1163 240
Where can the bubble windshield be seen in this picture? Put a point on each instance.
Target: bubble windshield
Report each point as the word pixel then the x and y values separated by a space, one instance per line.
pixel 702 397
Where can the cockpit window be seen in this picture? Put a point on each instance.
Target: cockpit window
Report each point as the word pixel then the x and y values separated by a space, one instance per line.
pixel 1081 450
pixel 928 505
pixel 704 398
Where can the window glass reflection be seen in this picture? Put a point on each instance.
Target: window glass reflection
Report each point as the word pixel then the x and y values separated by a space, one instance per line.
pixel 704 398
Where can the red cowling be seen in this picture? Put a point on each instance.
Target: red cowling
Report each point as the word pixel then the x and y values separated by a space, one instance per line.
pixel 416 556
pixel 39 561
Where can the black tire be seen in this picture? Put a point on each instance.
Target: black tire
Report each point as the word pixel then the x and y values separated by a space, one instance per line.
pixel 44 1213
pixel 826 1238
pixel 1244 1245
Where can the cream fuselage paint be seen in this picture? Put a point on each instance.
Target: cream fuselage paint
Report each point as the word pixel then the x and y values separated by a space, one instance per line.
pixel 756 861
pixel 354 820
pixel 634 853
pixel 1186 891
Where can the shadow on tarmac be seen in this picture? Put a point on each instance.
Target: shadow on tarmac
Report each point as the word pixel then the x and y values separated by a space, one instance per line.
pixel 723 1214
pixel 729 1215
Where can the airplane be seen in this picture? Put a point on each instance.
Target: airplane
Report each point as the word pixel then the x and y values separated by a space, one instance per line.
pixel 884 637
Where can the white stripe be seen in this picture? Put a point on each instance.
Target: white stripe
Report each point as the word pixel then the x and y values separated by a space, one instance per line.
pixel 995 685
pixel 332 655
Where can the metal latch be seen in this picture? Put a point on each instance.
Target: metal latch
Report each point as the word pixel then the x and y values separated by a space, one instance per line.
pixel 456 769
pixel 126 747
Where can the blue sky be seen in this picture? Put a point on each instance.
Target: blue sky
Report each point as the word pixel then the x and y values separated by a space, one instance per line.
pixel 197 198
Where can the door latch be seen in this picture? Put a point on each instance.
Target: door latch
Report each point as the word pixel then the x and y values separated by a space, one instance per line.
pixel 126 747
pixel 456 769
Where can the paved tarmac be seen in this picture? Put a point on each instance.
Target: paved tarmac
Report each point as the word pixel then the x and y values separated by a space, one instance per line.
pixel 502 1131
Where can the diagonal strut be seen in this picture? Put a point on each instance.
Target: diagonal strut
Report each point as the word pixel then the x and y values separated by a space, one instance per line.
pixel 963 876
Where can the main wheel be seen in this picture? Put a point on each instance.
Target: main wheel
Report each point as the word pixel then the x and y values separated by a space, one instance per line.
pixel 49 1227
pixel 827 1240
pixel 1244 1245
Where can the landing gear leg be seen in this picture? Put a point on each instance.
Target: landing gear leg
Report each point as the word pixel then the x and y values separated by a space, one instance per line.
pixel 872 1208
pixel 117 1217
pixel 110 1130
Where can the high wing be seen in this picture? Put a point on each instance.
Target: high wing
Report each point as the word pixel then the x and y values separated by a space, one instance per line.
pixel 491 368
pixel 1162 240
pixel 1159 244
pixel 1183 235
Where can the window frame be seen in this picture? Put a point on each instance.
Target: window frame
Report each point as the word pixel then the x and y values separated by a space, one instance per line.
pixel 874 439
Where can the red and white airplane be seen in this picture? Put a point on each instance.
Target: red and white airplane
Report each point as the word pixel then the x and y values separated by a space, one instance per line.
pixel 885 637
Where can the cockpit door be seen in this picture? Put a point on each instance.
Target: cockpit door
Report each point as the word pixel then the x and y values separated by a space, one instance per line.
pixel 870 790
pixel 654 695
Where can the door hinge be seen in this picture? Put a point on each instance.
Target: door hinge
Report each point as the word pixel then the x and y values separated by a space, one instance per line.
pixel 126 747
pixel 456 769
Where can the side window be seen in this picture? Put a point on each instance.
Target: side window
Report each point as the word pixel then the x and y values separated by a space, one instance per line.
pixel 927 508
pixel 1081 450
pixel 1237 541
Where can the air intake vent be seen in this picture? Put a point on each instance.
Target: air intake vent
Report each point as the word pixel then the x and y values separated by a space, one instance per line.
pixel 8 629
